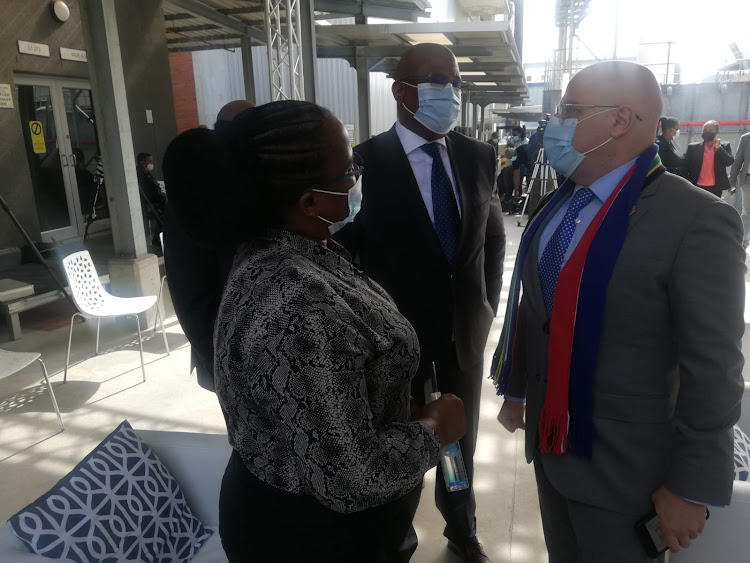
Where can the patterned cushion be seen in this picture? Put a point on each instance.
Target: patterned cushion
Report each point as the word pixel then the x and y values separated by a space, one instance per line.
pixel 741 455
pixel 119 504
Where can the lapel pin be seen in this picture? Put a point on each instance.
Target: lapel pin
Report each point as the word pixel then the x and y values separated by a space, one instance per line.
pixel 633 210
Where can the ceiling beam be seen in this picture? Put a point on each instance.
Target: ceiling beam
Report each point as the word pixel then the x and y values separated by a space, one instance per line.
pixel 375 9
pixel 206 39
pixel 199 9
pixel 381 51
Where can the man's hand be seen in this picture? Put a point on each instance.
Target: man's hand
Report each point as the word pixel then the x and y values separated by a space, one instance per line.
pixel 717 143
pixel 511 416
pixel 680 520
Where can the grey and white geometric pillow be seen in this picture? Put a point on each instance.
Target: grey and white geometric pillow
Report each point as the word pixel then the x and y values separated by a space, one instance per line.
pixel 741 455
pixel 119 504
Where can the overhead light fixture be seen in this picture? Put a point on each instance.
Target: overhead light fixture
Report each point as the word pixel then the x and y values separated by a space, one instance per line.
pixel 463 60
pixel 473 73
pixel 484 83
pixel 60 10
pixel 417 38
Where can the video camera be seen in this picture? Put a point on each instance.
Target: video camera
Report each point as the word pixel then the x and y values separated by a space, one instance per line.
pixel 543 125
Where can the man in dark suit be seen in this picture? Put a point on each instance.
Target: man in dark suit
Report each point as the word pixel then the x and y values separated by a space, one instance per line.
pixel 430 232
pixel 626 344
pixel 196 273
pixel 707 162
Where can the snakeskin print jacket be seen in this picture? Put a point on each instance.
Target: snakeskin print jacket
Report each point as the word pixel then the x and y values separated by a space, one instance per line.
pixel 313 367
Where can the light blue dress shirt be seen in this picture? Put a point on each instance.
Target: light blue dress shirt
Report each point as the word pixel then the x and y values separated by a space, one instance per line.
pixel 602 188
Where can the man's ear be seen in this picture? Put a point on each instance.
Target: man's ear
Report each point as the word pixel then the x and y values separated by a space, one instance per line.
pixel 397 89
pixel 624 120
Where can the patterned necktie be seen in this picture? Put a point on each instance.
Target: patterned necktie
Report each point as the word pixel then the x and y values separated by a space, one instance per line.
pixel 554 253
pixel 444 206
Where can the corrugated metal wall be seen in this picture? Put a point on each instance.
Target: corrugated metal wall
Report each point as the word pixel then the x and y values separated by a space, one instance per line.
pixel 219 79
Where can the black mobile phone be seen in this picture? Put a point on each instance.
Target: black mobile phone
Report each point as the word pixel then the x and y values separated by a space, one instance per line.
pixel 650 534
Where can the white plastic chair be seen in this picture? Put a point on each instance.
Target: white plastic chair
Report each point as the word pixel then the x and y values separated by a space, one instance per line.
pixel 93 302
pixel 13 362
pixel 161 291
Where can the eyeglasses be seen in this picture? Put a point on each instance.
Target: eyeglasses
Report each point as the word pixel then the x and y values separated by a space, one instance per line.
pixel 565 111
pixel 435 79
pixel 355 171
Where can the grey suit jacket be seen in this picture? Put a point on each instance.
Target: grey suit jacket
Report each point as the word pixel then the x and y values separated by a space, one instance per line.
pixel 669 373
pixel 741 167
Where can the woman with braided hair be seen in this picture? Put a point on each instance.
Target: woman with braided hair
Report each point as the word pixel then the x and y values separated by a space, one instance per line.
pixel 313 361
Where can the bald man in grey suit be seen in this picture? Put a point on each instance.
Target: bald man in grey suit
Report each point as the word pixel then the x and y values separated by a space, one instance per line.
pixel 667 378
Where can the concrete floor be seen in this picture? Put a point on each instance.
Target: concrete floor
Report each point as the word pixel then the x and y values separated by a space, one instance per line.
pixel 102 391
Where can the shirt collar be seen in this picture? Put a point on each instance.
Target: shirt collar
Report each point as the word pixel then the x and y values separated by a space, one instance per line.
pixel 411 141
pixel 604 186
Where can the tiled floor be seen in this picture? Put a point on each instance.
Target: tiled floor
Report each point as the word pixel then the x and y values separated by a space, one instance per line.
pixel 102 391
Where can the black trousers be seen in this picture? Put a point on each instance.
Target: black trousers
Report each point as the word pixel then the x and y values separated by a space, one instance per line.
pixel 458 508
pixel 259 523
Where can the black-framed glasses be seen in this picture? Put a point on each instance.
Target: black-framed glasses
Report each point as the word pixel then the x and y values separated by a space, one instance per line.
pixel 564 111
pixel 435 79
pixel 355 171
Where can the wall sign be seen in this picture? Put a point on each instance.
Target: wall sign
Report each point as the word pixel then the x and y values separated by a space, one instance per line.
pixel 73 55
pixel 38 49
pixel 37 137
pixel 6 96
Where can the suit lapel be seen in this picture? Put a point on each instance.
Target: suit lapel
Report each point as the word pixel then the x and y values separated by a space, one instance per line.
pixel 400 178
pixel 461 187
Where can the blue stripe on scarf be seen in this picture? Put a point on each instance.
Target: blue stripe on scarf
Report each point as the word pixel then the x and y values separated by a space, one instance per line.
pixel 597 271
pixel 502 360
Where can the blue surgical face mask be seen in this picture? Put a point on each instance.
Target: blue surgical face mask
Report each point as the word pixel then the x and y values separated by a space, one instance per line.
pixel 558 144
pixel 676 135
pixel 516 138
pixel 439 106
pixel 355 203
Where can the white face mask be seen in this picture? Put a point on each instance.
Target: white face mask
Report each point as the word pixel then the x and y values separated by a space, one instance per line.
pixel 355 203
pixel 150 167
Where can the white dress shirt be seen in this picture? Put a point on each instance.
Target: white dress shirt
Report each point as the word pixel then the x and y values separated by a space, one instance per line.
pixel 421 165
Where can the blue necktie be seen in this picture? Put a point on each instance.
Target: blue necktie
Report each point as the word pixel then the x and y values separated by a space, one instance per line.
pixel 444 206
pixel 554 253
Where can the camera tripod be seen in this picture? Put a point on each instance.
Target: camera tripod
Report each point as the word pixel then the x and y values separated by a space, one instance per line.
pixel 547 178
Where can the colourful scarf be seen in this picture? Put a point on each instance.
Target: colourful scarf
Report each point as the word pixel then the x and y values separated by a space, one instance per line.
pixel 566 420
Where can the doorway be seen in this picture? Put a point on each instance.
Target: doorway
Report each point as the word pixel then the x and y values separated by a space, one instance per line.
pixel 62 148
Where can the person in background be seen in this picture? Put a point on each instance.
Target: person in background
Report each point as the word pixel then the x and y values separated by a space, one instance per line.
pixel 313 361
pixel 431 233
pixel 671 157
pixel 197 273
pixel 706 163
pixel 739 177
pixel 494 140
pixel 533 148
pixel 152 199
pixel 521 160
pixel 622 361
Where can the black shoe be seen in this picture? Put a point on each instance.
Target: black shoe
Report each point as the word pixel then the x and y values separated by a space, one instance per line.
pixel 470 551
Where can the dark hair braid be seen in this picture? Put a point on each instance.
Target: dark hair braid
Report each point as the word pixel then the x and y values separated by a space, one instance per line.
pixel 227 185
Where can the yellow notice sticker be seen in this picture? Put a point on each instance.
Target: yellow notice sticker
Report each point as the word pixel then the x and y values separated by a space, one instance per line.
pixel 37 137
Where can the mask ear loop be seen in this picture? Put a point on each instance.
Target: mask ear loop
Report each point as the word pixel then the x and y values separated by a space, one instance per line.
pixel 605 142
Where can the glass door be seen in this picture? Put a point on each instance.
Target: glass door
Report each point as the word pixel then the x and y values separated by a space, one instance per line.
pixel 84 152
pixel 62 149
pixel 41 128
